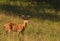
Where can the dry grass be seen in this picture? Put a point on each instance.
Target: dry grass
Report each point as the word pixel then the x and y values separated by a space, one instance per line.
pixel 36 30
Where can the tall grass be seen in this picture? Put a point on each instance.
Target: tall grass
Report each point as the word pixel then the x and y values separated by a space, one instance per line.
pixel 36 30
pixel 44 24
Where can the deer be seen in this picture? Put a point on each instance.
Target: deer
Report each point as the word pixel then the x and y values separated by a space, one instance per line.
pixel 17 27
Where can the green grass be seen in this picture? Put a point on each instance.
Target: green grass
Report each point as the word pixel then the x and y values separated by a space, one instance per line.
pixel 42 28
pixel 36 30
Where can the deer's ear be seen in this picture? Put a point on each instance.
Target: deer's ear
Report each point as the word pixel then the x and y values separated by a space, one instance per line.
pixel 23 17
pixel 28 17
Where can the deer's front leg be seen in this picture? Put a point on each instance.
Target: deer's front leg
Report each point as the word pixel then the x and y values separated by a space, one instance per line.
pixel 8 31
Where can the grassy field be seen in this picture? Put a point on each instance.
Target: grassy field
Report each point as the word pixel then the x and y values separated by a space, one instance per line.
pixel 36 30
pixel 44 23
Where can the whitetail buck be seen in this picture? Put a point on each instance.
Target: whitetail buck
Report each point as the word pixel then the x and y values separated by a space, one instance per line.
pixel 17 27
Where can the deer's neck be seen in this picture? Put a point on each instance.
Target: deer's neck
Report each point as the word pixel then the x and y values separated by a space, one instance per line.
pixel 24 24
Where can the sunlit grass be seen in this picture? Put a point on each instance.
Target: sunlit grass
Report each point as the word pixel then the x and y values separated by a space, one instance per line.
pixel 36 30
